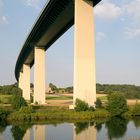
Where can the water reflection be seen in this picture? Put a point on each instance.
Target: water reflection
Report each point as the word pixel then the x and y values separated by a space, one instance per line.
pixel 27 135
pixel 116 127
pixel 18 131
pixel 113 129
pixel 84 131
pixel 136 121
pixel 3 126
pixel 39 132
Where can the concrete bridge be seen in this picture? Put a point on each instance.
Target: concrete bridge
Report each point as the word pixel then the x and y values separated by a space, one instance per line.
pixel 56 18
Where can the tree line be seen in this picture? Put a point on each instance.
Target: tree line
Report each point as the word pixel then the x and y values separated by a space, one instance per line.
pixel 10 89
pixel 129 91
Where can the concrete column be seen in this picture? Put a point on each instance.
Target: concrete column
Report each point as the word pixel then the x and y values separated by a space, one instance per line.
pixel 84 53
pixel 20 80
pixel 39 132
pixel 39 76
pixel 26 82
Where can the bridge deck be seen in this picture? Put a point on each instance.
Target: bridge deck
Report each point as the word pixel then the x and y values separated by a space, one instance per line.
pixel 56 18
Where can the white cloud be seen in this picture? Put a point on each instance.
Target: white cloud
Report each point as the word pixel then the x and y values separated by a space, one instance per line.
pixel 100 36
pixel 131 33
pixel 32 3
pixel 3 20
pixel 107 11
pixel 133 10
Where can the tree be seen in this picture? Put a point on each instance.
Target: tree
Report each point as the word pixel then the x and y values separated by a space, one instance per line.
pixel 117 104
pixel 116 127
pixel 53 87
pixel 18 102
pixel 81 105
pixel 98 103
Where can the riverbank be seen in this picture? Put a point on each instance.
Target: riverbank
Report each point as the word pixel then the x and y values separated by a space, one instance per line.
pixel 56 113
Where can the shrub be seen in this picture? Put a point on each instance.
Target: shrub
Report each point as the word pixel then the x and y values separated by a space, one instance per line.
pixel 18 101
pixel 101 113
pixel 91 108
pixel 117 104
pixel 3 114
pixel 136 110
pixel 98 103
pixel 81 105
pixel 26 109
pixel 127 115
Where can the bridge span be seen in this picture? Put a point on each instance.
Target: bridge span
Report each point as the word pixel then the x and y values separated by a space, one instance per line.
pixel 55 19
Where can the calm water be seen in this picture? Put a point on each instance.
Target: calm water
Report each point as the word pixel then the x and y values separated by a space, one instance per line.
pixel 115 129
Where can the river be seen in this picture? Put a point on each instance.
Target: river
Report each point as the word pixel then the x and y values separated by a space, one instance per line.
pixel 114 129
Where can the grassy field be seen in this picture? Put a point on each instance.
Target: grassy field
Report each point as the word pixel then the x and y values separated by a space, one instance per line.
pixel 60 97
pixel 5 99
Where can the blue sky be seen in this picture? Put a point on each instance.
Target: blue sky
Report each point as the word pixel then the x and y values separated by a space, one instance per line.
pixel 117 42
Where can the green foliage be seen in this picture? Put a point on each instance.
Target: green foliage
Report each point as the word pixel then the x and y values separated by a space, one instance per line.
pixel 3 126
pixel 81 106
pixel 127 115
pixel 52 86
pixel 10 89
pixel 136 121
pixel 129 91
pixel 5 99
pixel 3 114
pixel 98 103
pixel 136 110
pixel 81 126
pixel 59 97
pixel 116 127
pixel 18 131
pixel 36 103
pixel 91 108
pixel 101 113
pixel 69 89
pixel 18 101
pixel 26 109
pixel 32 99
pixel 117 104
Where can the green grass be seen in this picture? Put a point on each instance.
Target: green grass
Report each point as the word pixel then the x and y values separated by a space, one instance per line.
pixel 103 98
pixel 5 99
pixel 57 113
pixel 59 98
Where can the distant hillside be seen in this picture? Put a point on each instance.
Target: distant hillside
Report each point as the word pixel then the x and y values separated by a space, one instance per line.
pixel 130 91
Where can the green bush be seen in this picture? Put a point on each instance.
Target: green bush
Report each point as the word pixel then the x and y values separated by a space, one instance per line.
pixel 3 114
pixel 81 105
pixel 91 108
pixel 117 104
pixel 18 101
pixel 127 115
pixel 136 110
pixel 98 103
pixel 101 113
pixel 26 109
pixel 5 99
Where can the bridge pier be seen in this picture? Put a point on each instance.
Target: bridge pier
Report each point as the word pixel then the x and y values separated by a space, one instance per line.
pixel 26 82
pixel 20 81
pixel 39 75
pixel 84 53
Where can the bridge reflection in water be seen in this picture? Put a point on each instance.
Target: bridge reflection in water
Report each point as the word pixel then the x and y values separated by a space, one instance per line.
pixel 74 132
